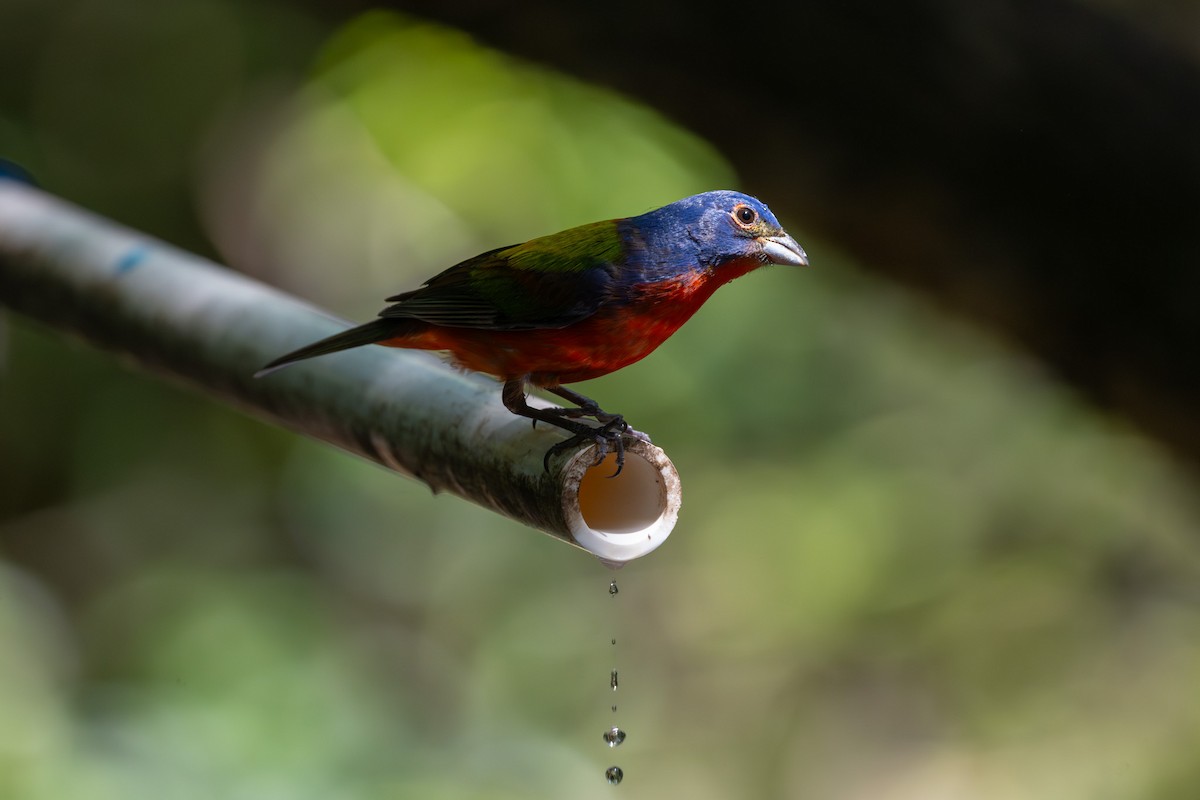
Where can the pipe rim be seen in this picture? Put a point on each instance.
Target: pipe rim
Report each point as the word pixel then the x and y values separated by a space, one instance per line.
pixel 624 518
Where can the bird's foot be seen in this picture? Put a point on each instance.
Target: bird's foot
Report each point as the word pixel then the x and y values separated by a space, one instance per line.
pixel 609 437
pixel 641 437
pixel 587 408
pixel 591 410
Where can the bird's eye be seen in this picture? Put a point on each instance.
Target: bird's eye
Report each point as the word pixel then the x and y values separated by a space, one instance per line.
pixel 744 215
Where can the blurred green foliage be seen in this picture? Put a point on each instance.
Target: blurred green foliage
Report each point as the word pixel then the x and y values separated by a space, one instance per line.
pixel 908 564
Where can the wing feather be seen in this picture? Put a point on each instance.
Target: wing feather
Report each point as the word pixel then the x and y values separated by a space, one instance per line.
pixel 550 282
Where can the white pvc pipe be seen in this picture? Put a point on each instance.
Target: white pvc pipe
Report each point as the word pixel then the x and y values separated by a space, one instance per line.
pixel 182 316
pixel 623 517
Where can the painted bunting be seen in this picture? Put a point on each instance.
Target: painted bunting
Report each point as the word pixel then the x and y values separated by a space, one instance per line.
pixel 578 304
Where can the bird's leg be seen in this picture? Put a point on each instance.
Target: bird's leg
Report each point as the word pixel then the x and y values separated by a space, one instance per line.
pixel 608 434
pixel 589 408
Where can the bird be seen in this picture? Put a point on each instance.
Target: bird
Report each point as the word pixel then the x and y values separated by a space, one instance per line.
pixel 577 304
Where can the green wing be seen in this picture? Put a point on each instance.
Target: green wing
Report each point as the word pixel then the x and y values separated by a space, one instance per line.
pixel 549 282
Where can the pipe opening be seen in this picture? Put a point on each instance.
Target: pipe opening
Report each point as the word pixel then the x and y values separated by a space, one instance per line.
pixel 628 503
pixel 622 518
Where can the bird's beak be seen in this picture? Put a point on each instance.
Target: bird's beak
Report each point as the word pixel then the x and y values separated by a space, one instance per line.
pixel 783 250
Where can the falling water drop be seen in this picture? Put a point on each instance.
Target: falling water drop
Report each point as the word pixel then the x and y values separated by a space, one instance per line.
pixel 614 736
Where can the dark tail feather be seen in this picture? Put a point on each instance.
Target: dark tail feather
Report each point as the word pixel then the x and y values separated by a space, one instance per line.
pixel 372 332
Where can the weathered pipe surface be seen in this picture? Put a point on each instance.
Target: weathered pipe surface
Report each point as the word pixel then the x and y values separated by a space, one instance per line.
pixel 181 316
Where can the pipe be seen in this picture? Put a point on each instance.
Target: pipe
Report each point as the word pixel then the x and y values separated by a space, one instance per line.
pixel 186 318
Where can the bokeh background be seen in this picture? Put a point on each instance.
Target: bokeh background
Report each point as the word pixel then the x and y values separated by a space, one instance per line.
pixel 914 561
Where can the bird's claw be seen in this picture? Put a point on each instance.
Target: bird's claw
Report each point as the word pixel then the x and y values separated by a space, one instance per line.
pixel 609 435
pixel 641 437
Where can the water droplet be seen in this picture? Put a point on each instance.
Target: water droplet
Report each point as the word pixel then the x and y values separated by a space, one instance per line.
pixel 612 587
pixel 612 680
pixel 614 736
pixel 613 775
pixel 614 709
pixel 614 641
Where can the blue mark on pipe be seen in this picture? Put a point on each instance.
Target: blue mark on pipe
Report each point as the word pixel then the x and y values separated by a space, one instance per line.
pixel 132 258
pixel 11 170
